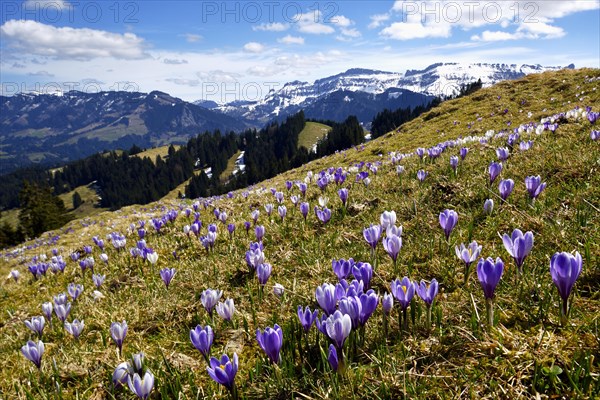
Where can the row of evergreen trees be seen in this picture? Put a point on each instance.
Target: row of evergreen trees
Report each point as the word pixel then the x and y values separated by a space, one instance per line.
pixel 123 180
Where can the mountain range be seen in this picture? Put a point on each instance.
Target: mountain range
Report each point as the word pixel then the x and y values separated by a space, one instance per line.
pixel 55 128
pixel 364 92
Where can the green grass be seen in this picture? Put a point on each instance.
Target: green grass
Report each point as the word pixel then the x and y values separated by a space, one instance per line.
pixel 526 355
pixel 162 151
pixel 230 167
pixel 311 134
pixel 90 205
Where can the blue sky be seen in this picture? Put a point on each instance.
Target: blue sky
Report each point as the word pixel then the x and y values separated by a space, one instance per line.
pixel 230 50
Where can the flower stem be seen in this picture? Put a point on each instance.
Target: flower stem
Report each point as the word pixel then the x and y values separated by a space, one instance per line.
pixel 489 307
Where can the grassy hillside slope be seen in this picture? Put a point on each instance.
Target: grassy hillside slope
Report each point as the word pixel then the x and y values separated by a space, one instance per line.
pixel 527 354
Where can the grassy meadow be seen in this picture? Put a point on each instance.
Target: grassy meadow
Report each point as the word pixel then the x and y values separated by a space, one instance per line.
pixel 527 353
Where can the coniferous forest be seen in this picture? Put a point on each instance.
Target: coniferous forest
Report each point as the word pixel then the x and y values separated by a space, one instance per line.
pixel 123 180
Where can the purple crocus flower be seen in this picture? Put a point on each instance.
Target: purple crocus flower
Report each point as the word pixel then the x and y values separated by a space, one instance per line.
pixel 565 269
pixel 488 206
pixel 494 170
pixel 372 234
pixel 351 306
pixel 226 309
pixel 269 209
pixel 324 215
pixel 448 220
pixel 247 226
pixel 118 331
pixel 255 256
pixel 518 246
pixel 120 374
pixel 387 303
pixel 392 245
pixel 489 274
pixel 167 275
pixel 36 324
pixel 534 186
pixel 279 197
pixel 468 254
pixel 463 152
pixel 33 351
pixel 306 317
pixel 141 387
pixel 259 231
pixel 47 311
pixel 223 371
pixel 506 187
pixel 271 341
pixel 325 295
pixel 342 268
pixel 404 291
pixel 288 185
pixel 62 311
pixel 98 280
pixel 263 272
pixel 454 163
pixel 368 301
pixel 74 328
pixel 230 229
pixel 338 328
pixel 304 207
pixel 254 215
pixel 428 292
pixel 332 358
pixel 595 135
pixel 502 153
pixel 363 272
pixel 387 219
pixel 282 211
pixel 202 339
pixel 343 193
pixel 74 290
pixel 421 175
pixel 209 299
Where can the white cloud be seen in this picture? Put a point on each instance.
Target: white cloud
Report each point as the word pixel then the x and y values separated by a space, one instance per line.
pixel 377 20
pixel 342 21
pixel 289 39
pixel 184 82
pixel 44 74
pixel 415 30
pixel 33 37
pixel 264 70
pixel 533 31
pixel 271 27
pixel 174 61
pixel 311 23
pixel 350 32
pixel 192 37
pixel 534 19
pixel 219 76
pixel 254 47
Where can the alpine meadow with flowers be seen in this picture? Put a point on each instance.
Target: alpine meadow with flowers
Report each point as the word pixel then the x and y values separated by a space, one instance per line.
pixel 457 256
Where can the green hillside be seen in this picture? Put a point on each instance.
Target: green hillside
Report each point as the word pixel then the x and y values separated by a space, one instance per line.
pixel 310 135
pixel 528 353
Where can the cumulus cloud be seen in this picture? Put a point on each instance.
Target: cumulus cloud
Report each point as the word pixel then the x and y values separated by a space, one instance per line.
pixel 71 43
pixel 377 20
pixel 271 27
pixel 311 23
pixel 254 47
pixel 174 61
pixel 534 19
pixel 289 39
